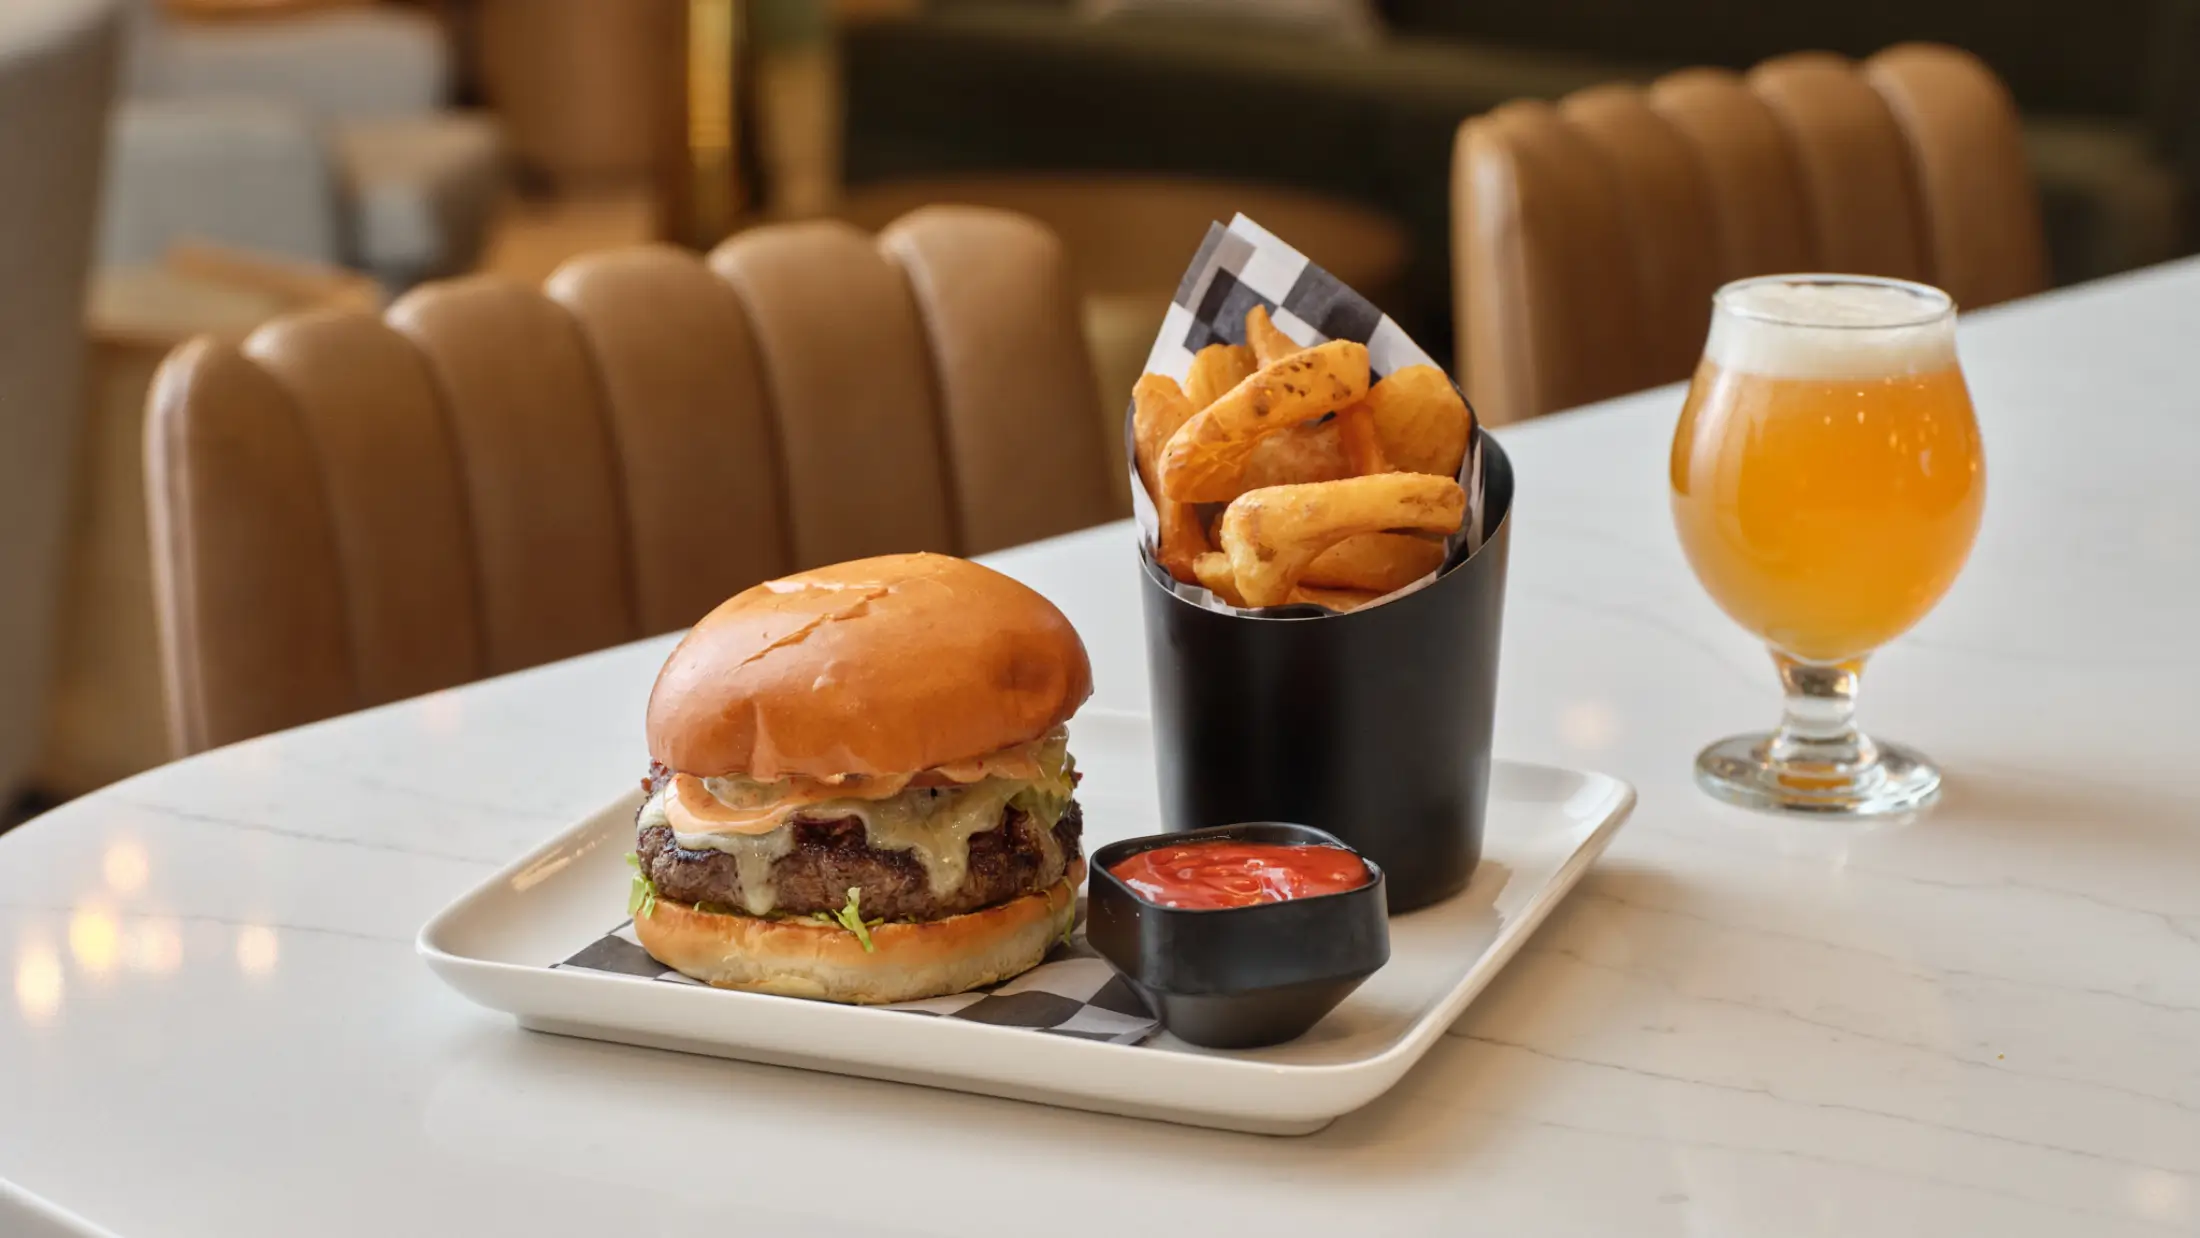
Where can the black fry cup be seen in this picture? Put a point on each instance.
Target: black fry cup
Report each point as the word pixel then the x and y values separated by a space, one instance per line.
pixel 1373 725
pixel 1238 977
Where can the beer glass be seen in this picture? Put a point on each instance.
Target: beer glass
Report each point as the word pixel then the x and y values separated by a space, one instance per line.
pixel 1827 485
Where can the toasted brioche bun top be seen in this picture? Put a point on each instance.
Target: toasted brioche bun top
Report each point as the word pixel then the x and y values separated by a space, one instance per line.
pixel 880 666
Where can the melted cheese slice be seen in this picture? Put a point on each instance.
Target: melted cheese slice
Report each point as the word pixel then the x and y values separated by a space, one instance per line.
pixel 695 808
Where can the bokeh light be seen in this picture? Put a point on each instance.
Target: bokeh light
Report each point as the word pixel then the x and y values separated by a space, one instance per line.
pixel 125 867
pixel 38 984
pixel 442 713
pixel 95 940
pixel 1590 726
pixel 154 945
pixel 2161 1195
pixel 257 950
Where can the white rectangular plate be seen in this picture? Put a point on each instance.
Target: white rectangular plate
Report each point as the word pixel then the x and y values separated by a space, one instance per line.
pixel 1544 827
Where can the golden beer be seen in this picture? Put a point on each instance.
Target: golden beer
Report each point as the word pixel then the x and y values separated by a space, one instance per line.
pixel 1827 515
pixel 1827 485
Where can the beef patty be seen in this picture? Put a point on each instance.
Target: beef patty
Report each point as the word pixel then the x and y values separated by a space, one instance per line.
pixel 829 856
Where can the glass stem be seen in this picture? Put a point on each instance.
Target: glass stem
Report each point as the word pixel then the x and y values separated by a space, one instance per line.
pixel 1818 726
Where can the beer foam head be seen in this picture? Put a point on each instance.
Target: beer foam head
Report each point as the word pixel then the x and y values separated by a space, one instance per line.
pixel 1808 326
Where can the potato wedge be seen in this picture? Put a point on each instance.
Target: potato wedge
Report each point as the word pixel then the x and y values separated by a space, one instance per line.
pixel 1213 570
pixel 1377 561
pixel 1309 451
pixel 1363 451
pixel 1183 539
pixel 1273 534
pixel 1420 421
pixel 1268 341
pixel 1340 600
pixel 1215 369
pixel 1205 459
pixel 1158 410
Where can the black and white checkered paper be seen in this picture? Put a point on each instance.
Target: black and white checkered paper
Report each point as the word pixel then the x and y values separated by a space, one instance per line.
pixel 1072 992
pixel 1244 265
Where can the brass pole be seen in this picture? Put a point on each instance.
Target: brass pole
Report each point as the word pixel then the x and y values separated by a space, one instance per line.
pixel 709 185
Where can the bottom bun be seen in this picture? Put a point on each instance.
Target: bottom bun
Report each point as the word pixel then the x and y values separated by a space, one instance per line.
pixel 803 958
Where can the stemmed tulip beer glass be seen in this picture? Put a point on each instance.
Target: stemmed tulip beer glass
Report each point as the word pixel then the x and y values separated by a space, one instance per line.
pixel 1827 484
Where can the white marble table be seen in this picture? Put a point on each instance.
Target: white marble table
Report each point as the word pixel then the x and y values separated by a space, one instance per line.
pixel 1984 1022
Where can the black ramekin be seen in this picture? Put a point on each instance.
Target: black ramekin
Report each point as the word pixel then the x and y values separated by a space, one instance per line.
pixel 1239 977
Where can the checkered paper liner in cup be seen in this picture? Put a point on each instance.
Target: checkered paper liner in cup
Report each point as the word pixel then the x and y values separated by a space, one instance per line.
pixel 1072 992
pixel 1244 265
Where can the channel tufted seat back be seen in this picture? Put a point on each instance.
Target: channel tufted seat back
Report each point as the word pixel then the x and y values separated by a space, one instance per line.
pixel 349 509
pixel 1590 234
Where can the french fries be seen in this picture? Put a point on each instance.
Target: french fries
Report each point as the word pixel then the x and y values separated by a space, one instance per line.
pixel 1213 571
pixel 1158 410
pixel 1205 459
pixel 1183 539
pixel 1380 562
pixel 1420 421
pixel 1338 492
pixel 1334 599
pixel 1309 451
pixel 1269 343
pixel 1215 369
pixel 1345 576
pixel 1272 535
pixel 1363 451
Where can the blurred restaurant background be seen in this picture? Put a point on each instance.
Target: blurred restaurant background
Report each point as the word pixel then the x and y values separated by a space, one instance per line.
pixel 171 169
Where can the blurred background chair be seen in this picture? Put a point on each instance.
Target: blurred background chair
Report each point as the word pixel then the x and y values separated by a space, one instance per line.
pixel 104 717
pixel 1124 123
pixel 357 133
pixel 1128 237
pixel 1590 235
pixel 2109 92
pixel 348 509
pixel 323 134
pixel 57 69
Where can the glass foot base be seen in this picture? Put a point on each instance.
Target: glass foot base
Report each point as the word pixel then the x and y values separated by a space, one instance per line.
pixel 1741 770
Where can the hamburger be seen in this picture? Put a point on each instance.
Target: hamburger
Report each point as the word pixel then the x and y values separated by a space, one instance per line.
pixel 860 786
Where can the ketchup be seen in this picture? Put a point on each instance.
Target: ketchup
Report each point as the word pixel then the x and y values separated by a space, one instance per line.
pixel 1207 876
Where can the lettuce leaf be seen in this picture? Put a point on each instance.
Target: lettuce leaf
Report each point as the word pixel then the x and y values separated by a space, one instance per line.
pixel 641 895
pixel 851 918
